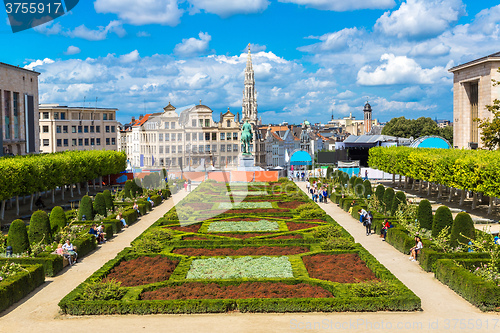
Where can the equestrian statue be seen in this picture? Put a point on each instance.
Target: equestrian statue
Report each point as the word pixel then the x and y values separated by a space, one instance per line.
pixel 246 138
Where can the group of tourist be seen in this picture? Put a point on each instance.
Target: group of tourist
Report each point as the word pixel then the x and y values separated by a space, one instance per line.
pixel 317 192
pixel 68 251
pixel 366 219
pixel 98 232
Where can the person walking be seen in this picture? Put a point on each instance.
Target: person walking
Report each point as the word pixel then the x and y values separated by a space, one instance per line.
pixel 368 223
pixel 308 186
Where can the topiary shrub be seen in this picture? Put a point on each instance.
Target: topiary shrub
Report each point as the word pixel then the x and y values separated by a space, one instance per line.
pixel 109 200
pixel 442 219
pixel 86 209
pixel 352 181
pixel 39 229
pixel 399 198
pixel 359 189
pixel 387 200
pixel 57 219
pixel 18 237
pixel 424 214
pixel 368 188
pixel 136 190
pixel 379 193
pixel 100 205
pixel 128 188
pixel 462 225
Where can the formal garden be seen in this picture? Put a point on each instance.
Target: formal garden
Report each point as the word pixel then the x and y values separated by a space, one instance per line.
pixel 27 252
pixel 461 257
pixel 247 247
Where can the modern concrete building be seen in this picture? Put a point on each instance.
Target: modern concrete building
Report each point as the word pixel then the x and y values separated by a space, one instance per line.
pixel 77 128
pixel 18 110
pixel 472 91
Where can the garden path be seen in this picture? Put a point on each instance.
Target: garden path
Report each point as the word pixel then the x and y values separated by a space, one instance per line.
pixel 40 312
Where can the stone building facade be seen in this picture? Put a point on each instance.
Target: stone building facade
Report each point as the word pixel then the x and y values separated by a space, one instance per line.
pixel 18 110
pixel 77 128
pixel 472 91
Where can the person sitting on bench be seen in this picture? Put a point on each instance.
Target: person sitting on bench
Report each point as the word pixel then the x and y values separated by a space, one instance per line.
pixel 39 203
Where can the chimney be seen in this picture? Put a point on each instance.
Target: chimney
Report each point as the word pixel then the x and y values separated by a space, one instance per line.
pixel 141 116
pixel 133 119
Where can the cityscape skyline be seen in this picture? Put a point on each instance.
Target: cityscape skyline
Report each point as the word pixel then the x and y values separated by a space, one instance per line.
pixel 326 65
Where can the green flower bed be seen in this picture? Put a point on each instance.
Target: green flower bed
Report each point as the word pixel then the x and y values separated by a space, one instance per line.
pixel 245 193
pixel 244 205
pixel 242 267
pixel 14 287
pixel 229 226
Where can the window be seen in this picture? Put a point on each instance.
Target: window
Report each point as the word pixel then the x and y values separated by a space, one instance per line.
pixel 98 141
pixel 104 116
pixel 223 148
pixel 167 149
pixel 107 129
pixel 188 137
pixel 214 136
pixel 207 122
pixel 73 129
pixel 113 129
pixel 113 141
pixel 97 116
pixel 173 149
pixel 200 136
pixel 160 137
pixel 172 125
pixel 223 136
pixel 228 123
pixel 166 124
pixel 214 148
pixel 45 115
pixel 98 129
pixel 56 117
pixel 207 148
pixel 173 137
pixel 80 129
pixel 193 122
pixel 195 149
pixel 235 136
pixel 201 148
pixel 207 136
pixel 73 142
pixel 179 149
pixel 80 142
pixel 110 117
pixel 229 148
pixel 223 160
pixel 63 115
pixel 235 148
pixel 200 121
pixel 107 141
pixel 86 141
pixel 228 136
pixel 92 141
pixel 85 129
pixel 65 129
pixel 45 129
pixel 92 129
pixel 194 136
pixel 59 142
pixel 167 137
pixel 179 137
pixel 75 115
pixel 160 151
pixel 58 129
pixel 65 142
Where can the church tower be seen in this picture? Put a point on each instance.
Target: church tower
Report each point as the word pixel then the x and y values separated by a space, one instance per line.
pixel 249 109
pixel 367 110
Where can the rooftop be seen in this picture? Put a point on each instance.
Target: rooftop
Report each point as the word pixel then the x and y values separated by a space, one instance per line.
pixel 19 68
pixel 491 57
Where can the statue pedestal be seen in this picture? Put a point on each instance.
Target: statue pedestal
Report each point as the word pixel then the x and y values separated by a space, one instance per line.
pixel 247 163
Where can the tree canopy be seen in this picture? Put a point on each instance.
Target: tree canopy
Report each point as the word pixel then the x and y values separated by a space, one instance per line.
pixel 406 128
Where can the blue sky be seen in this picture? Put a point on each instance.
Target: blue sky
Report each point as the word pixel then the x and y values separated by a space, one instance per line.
pixel 312 58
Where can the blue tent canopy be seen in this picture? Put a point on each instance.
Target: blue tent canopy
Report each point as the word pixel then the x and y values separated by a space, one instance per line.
pixel 431 142
pixel 301 158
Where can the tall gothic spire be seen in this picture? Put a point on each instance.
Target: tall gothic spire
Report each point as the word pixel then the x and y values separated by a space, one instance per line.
pixel 249 109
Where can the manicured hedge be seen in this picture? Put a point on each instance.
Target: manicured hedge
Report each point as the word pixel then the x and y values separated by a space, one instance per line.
pixel 17 287
pixel 428 257
pixel 52 263
pixel 18 237
pixel 400 239
pixel 85 244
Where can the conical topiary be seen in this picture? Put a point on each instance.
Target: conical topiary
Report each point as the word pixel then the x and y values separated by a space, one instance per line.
pixel 424 214
pixel 441 220
pixel 86 209
pixel 368 188
pixel 359 189
pixel 39 228
pixel 387 201
pixel 462 226
pixel 379 193
pixel 128 188
pixel 100 205
pixel 399 198
pixel 109 200
pixel 18 237
pixel 57 219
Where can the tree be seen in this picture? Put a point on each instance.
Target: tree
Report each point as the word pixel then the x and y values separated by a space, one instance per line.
pixel 490 128
pixel 462 226
pixel 447 133
pixel 39 230
pixel 388 197
pixel 368 188
pixel 57 219
pixel 424 214
pixel 399 198
pixel 86 209
pixel 406 128
pixel 109 200
pixel 100 205
pixel 128 188
pixel 359 189
pixel 18 237
pixel 379 193
pixel 442 219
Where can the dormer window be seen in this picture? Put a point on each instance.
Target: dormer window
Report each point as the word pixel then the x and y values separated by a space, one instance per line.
pixel 229 123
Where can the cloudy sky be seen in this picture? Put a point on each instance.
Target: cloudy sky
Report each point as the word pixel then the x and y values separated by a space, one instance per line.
pixel 312 58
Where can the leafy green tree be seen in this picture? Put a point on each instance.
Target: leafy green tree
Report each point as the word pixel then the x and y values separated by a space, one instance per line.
pixel 424 214
pixel 406 128
pixel 86 209
pixel 442 219
pixel 379 193
pixel 57 219
pixel 109 200
pixel 490 128
pixel 388 198
pixel 462 226
pixel 39 228
pixel 100 205
pixel 447 133
pixel 18 237
pixel 399 198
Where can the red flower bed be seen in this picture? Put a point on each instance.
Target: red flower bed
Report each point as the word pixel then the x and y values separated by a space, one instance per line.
pixel 244 251
pixel 188 228
pixel 287 237
pixel 143 270
pixel 342 268
pixel 241 236
pixel 292 226
pixel 198 290
pixel 290 204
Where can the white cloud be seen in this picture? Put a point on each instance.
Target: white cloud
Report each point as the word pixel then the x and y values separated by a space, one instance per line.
pixel 486 21
pixel 344 5
pixel 385 106
pixel 254 48
pixel 408 94
pixel 334 41
pixel 225 8
pixel 72 50
pixel 36 63
pixel 192 46
pixel 100 34
pixel 399 70
pixel 143 34
pixel 421 18
pixel 346 95
pixel 49 28
pixel 164 12
pixel 130 57
pixel 431 48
